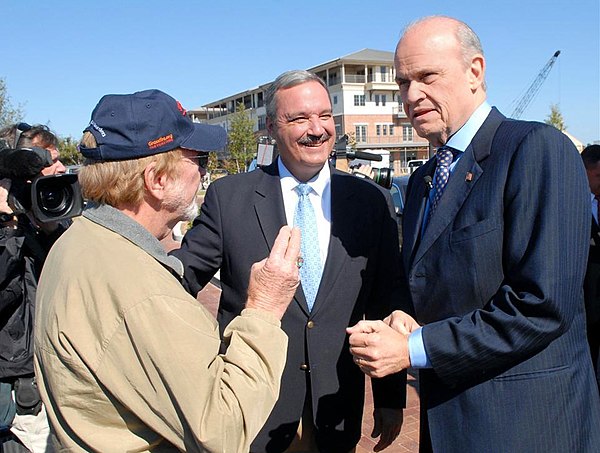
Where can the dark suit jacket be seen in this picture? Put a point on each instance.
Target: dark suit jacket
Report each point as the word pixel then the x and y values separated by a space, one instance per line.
pixel 497 279
pixel 591 290
pixel 237 226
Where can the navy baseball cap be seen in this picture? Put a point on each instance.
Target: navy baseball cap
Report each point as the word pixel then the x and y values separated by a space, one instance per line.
pixel 130 126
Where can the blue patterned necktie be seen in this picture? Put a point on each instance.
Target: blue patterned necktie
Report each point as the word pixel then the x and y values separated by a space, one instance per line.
pixel 444 158
pixel 311 270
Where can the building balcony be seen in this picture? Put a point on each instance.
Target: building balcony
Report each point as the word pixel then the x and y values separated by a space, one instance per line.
pixel 386 141
pixel 355 78
pixel 381 85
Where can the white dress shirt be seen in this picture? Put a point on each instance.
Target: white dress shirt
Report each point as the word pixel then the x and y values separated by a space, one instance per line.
pixel 320 197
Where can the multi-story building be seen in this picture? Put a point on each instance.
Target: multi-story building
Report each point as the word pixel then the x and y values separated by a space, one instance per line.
pixel 366 106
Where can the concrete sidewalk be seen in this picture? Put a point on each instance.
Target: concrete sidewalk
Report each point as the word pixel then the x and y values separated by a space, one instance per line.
pixel 407 441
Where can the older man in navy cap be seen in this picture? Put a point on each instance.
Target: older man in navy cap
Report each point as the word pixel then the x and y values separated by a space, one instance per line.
pixel 126 359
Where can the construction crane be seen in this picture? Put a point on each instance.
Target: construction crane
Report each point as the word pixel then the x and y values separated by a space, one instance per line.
pixel 534 88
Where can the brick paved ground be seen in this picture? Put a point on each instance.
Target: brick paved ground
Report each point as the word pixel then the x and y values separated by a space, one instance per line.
pixel 407 441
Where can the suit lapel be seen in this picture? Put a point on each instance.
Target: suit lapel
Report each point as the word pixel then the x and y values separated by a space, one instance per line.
pixel 461 182
pixel 413 218
pixel 270 214
pixel 268 204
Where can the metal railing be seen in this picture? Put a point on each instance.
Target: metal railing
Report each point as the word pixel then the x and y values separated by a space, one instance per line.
pixel 384 140
pixel 355 78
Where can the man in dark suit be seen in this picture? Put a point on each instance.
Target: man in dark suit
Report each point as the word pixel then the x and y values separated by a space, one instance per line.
pixel 352 270
pixel 591 160
pixel 496 234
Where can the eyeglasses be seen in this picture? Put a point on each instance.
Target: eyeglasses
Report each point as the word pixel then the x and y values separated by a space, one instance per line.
pixel 200 159
pixel 19 129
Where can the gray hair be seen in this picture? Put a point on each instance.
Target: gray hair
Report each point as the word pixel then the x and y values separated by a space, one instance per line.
pixel 287 80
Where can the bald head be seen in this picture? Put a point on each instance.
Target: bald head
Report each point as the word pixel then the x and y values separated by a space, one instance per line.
pixel 467 39
pixel 440 70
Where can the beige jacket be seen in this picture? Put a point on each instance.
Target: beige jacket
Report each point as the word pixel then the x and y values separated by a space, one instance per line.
pixel 128 361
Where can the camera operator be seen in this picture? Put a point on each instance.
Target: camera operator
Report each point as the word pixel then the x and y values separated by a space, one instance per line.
pixel 24 244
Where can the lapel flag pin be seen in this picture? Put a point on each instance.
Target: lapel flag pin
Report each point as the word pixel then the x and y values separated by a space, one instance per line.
pixel 469 177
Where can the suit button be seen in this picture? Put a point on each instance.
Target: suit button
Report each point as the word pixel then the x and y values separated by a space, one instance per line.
pixel 310 324
pixel 304 367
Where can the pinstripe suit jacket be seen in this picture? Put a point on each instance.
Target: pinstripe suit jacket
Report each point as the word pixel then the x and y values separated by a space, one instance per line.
pixel 497 280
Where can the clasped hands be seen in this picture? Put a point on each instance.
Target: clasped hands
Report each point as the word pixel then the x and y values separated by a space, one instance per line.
pixel 380 348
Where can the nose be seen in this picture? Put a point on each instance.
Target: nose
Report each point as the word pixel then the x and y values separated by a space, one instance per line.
pixel 413 93
pixel 316 127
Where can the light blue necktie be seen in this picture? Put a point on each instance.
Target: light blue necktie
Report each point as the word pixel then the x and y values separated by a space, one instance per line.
pixel 311 270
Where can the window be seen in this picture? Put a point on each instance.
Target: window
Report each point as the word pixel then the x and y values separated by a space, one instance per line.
pixel 359 99
pixel 407 133
pixel 383 99
pixel 335 100
pixel 262 122
pixel 384 74
pixel 338 130
pixel 333 78
pixel 377 99
pixel 361 133
pixel 384 129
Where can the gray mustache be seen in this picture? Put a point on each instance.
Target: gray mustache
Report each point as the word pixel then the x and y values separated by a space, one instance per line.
pixel 314 140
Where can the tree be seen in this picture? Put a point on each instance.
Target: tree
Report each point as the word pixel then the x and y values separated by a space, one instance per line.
pixel 69 154
pixel 8 113
pixel 213 162
pixel 242 143
pixel 556 119
pixel 351 139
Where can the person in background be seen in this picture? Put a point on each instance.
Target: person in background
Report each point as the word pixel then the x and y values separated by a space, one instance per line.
pixel 350 269
pixel 24 244
pixel 591 161
pixel 126 359
pixel 495 235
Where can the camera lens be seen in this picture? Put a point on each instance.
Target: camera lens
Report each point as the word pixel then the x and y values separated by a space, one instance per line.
pixel 54 199
pixel 383 177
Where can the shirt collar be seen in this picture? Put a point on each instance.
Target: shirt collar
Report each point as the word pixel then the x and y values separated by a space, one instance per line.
pixel 318 183
pixel 116 221
pixel 463 137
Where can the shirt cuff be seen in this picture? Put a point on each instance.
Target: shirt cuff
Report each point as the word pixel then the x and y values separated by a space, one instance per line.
pixel 416 350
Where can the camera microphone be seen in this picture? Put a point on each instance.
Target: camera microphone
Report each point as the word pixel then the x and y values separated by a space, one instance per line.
pixel 23 163
pixel 364 156
pixel 428 182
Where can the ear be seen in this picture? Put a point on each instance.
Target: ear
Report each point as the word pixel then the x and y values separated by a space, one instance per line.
pixel 477 72
pixel 155 183
pixel 270 126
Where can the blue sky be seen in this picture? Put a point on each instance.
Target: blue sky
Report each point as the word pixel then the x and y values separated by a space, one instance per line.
pixel 59 57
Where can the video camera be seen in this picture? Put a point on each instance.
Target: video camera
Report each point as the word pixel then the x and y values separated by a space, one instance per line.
pixel 381 176
pixel 48 198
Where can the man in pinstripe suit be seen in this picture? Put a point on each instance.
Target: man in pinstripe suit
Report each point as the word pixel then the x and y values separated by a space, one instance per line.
pixel 496 234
